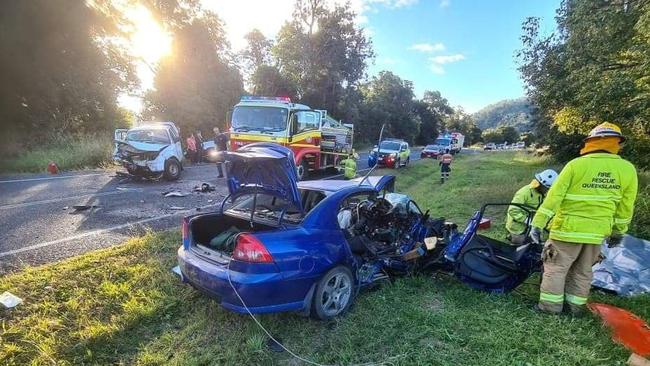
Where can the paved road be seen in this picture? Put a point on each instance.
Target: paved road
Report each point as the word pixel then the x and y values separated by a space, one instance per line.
pixel 40 225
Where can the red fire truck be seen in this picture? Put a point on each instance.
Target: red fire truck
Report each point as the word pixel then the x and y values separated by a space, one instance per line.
pixel 318 141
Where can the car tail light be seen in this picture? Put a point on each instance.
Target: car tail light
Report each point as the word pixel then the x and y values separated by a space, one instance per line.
pixel 185 230
pixel 249 249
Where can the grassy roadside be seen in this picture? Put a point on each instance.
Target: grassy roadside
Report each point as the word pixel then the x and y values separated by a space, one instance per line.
pixel 123 305
pixel 79 152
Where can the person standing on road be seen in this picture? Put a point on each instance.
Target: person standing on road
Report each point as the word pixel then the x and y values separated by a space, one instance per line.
pixel 191 148
pixel 350 166
pixel 591 200
pixel 445 165
pixel 199 146
pixel 531 196
pixel 221 145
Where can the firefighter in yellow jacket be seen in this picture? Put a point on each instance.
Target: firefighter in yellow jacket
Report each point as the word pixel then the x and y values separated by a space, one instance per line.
pixel 591 201
pixel 531 196
pixel 349 165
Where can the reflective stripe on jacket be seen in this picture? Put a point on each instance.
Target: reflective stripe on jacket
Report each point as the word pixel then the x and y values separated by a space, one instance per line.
pixel 592 198
pixel 446 159
pixel 526 195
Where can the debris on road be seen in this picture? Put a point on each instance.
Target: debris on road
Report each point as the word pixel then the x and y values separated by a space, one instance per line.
pixel 83 207
pixel 205 188
pixel 177 208
pixel 174 194
pixel 9 300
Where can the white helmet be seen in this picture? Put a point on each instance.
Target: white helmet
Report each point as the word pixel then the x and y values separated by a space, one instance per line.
pixel 547 177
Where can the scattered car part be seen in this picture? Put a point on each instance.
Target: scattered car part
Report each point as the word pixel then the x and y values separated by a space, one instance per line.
pixel 83 207
pixel 627 328
pixel 9 300
pixel 178 208
pixel 175 194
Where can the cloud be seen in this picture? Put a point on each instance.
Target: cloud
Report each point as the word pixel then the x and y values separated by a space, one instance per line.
pixel 427 47
pixel 445 3
pixel 437 62
pixel 393 3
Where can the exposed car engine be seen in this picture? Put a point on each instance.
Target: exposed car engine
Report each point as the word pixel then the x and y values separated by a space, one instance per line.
pixel 382 230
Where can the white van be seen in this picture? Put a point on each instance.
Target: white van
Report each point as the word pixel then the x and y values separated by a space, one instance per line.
pixel 152 150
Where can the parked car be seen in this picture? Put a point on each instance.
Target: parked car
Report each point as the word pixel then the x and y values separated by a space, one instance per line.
pixel 391 153
pixel 277 244
pixel 152 150
pixel 430 151
pixel 490 146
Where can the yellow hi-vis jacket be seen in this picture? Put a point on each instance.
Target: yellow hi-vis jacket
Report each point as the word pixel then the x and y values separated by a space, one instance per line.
pixel 349 168
pixel 516 220
pixel 592 198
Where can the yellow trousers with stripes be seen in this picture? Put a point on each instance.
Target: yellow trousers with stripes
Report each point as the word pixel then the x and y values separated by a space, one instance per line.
pixel 567 275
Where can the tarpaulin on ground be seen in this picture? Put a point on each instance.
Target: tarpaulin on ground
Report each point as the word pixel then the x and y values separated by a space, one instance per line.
pixel 626 268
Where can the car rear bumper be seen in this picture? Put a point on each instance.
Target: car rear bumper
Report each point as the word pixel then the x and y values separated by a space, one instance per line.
pixel 261 292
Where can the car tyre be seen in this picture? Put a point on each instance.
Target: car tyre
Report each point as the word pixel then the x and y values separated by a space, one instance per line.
pixel 302 169
pixel 334 294
pixel 172 169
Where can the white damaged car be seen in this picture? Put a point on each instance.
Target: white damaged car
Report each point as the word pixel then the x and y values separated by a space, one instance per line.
pixel 151 150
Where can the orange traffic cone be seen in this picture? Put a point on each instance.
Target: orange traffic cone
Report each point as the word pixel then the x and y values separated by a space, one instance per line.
pixel 52 168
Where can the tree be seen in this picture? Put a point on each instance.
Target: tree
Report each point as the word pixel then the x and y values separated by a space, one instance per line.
pixel 593 69
pixel 508 112
pixel 257 52
pixel 61 72
pixel 322 52
pixel 196 85
pixel 503 134
pixel 459 121
pixel 267 80
pixel 432 109
pixel 388 100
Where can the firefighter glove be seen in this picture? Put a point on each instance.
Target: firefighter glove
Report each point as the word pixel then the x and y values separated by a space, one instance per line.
pixel 614 240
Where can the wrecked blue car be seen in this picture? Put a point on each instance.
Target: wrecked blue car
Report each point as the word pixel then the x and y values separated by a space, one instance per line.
pixel 279 245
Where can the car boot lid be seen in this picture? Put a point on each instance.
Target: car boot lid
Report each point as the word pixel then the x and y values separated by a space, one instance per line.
pixel 263 168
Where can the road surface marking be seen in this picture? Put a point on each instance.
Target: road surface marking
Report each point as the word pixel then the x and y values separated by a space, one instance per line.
pixel 89 233
pixel 53 200
pixel 49 178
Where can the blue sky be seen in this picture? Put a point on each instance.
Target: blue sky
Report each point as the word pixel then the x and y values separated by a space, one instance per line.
pixel 463 48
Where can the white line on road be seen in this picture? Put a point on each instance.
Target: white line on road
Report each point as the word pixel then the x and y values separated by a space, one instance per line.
pixel 90 233
pixel 53 200
pixel 49 178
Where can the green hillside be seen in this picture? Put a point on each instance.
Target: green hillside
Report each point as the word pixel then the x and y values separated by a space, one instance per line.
pixel 508 112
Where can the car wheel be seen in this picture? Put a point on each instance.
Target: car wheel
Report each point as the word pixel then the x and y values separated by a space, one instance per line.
pixel 334 294
pixel 172 169
pixel 302 170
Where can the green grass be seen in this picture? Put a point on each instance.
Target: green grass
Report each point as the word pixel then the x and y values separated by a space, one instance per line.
pixel 123 306
pixel 78 152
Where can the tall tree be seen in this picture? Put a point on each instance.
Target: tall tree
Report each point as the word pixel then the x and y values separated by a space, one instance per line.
pixel 322 52
pixel 60 71
pixel 388 100
pixel 432 110
pixel 196 84
pixel 593 69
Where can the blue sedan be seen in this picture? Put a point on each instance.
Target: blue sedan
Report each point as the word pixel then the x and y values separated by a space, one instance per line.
pixel 279 245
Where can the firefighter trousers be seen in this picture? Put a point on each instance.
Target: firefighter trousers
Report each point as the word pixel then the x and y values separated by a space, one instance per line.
pixel 567 275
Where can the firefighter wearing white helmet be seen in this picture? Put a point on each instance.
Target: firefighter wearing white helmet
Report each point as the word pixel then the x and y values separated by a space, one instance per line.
pixel 531 195
pixel 590 202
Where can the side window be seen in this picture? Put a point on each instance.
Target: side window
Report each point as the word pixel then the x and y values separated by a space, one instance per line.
pixel 306 120
pixel 175 137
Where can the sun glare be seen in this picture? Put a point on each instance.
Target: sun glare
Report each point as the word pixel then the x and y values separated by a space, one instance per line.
pixel 149 41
